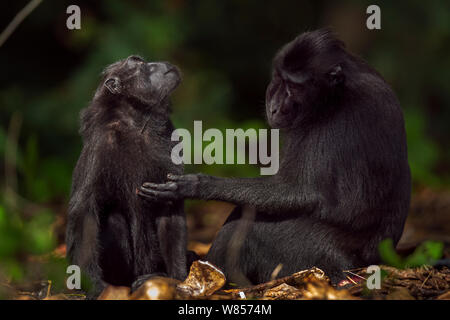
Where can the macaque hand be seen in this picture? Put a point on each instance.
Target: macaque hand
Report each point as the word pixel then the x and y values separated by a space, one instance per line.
pixel 177 187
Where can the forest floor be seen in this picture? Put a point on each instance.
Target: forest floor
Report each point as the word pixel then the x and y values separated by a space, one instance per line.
pixel 429 219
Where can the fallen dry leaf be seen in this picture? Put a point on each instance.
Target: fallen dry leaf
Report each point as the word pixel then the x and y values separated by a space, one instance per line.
pixel 157 288
pixel 320 288
pixel 115 293
pixel 295 280
pixel 203 280
pixel 282 292
pixel 306 284
pixel 444 296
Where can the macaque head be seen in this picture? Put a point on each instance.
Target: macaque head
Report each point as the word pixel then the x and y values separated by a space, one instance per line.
pixel 306 73
pixel 144 83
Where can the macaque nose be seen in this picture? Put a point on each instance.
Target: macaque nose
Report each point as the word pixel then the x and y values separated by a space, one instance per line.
pixel 273 108
pixel 170 68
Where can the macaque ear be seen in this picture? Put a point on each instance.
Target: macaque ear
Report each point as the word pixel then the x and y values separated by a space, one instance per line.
pixel 336 75
pixel 113 85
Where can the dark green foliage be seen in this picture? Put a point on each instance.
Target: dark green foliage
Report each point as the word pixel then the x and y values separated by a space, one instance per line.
pixel 425 254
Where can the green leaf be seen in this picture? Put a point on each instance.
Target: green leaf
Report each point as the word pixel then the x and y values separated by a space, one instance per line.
pixel 425 254
pixel 388 254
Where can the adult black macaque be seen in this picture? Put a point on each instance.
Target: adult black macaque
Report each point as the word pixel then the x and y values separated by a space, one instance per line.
pixel 344 180
pixel 112 234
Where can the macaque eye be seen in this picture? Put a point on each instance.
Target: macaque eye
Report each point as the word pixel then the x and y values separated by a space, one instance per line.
pixel 296 77
pixel 137 59
pixel 134 61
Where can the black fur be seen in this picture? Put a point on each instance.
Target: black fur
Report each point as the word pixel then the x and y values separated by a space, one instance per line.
pixel 344 179
pixel 112 234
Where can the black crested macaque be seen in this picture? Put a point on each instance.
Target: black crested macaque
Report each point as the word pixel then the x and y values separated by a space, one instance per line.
pixel 344 179
pixel 112 234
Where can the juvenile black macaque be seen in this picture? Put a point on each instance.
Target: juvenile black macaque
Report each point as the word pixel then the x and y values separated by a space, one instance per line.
pixel 344 179
pixel 112 234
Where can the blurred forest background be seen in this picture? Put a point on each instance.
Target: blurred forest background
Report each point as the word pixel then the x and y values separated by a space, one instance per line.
pixel 49 73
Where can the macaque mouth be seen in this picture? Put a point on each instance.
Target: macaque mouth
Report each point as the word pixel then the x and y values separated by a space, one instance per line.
pixel 174 70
